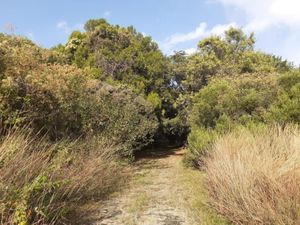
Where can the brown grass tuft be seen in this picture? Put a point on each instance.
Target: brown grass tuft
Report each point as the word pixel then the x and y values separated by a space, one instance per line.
pixel 44 183
pixel 254 178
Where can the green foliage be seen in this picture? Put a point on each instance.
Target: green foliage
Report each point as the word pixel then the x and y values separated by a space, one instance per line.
pixel 200 140
pixel 238 40
pixel 155 100
pixel 176 129
pixel 63 100
pixel 236 99
pixel 115 82
pixel 92 24
pixel 287 108
pixel 211 102
pixel 288 80
pixel 228 56
pixel 121 53
pixel 110 84
pixel 131 122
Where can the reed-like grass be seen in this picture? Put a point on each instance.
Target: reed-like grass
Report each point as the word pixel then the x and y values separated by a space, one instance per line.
pixel 254 177
pixel 44 183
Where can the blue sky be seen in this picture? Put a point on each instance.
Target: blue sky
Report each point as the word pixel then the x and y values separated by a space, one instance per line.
pixel 174 24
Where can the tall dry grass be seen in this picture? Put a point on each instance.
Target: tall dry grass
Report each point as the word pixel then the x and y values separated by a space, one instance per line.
pixel 44 183
pixel 254 177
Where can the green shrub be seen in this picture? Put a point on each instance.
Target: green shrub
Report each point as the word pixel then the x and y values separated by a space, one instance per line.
pixel 288 80
pixel 211 102
pixel 200 140
pixel 287 108
pixel 130 123
pixel 155 100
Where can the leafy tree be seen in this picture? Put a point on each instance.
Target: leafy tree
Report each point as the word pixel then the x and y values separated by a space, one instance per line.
pixel 228 56
pixel 92 24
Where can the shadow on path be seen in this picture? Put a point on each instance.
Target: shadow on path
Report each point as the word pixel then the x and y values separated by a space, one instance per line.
pixel 158 153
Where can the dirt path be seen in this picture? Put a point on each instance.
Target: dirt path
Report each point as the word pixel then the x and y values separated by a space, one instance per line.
pixel 161 193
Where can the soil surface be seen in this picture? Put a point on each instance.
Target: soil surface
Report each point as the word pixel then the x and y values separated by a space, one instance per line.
pixel 156 195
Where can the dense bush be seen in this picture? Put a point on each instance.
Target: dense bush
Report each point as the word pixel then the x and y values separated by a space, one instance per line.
pixel 253 177
pixel 227 103
pixel 63 100
pixel 248 98
pixel 127 119
pixel 241 99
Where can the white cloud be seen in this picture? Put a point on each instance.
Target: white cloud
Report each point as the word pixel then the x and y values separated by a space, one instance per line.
pixel 106 14
pixel 220 29
pixel 169 44
pixel 63 25
pixel 286 11
pixel 190 51
pixel 262 14
pixel 281 17
pixel 179 38
pixel 276 24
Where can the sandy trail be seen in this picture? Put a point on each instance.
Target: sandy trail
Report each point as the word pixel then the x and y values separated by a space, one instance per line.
pixel 154 197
